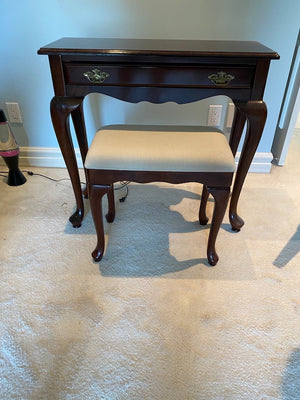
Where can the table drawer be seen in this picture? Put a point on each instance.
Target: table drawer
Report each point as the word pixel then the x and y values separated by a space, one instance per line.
pixel 173 76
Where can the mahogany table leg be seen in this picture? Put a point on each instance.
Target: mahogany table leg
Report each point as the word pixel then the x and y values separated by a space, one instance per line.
pixel 237 130
pixel 256 113
pixel 80 130
pixel 61 108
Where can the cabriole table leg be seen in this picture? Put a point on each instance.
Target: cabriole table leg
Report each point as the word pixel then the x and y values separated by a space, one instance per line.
pixel 61 108
pixel 256 114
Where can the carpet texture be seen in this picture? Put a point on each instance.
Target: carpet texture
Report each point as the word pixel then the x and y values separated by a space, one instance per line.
pixel 152 320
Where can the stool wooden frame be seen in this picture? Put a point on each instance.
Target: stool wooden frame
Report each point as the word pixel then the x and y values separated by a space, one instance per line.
pixel 100 182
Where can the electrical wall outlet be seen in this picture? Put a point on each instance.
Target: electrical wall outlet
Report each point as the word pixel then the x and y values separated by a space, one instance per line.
pixel 230 115
pixel 14 113
pixel 214 115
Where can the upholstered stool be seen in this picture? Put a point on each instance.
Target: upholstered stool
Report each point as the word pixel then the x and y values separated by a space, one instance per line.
pixel 159 153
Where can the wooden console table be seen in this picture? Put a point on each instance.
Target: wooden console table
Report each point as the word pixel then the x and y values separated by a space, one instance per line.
pixel 158 71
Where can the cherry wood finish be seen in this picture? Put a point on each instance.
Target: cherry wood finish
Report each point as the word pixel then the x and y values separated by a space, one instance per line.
pixel 158 71
pixel 100 182
pixel 164 76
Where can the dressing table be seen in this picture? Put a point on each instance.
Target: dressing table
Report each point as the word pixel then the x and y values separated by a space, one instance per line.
pixel 158 71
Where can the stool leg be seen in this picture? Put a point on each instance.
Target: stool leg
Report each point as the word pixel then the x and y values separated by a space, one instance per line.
pixel 96 193
pixel 221 196
pixel 203 220
pixel 110 216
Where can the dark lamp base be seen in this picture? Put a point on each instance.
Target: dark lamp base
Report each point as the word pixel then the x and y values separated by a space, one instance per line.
pixel 15 176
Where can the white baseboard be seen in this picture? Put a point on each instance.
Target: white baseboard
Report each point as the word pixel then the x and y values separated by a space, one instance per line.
pixel 47 157
pixel 297 131
pixel 261 162
pixel 50 157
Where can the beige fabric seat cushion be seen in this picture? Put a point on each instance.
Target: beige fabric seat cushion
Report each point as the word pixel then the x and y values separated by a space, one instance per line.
pixel 160 148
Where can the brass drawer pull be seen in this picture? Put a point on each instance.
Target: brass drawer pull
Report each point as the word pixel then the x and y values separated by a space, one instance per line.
pixel 96 76
pixel 221 78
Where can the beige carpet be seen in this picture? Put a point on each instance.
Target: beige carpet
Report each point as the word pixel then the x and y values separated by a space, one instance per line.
pixel 153 320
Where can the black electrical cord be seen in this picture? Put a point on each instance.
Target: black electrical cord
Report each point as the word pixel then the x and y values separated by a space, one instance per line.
pixel 37 174
pixel 122 183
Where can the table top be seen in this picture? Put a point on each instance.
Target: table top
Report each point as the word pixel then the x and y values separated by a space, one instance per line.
pixel 211 48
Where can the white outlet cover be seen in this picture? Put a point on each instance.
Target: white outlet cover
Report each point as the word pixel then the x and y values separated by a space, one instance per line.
pixel 214 115
pixel 14 113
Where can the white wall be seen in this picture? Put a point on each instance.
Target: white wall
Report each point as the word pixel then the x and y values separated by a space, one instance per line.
pixel 26 25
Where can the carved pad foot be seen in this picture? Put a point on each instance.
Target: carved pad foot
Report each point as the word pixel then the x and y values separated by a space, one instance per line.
pixel 110 216
pixel 212 257
pixel 203 220
pixel 236 222
pixel 76 218
pixel 97 254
